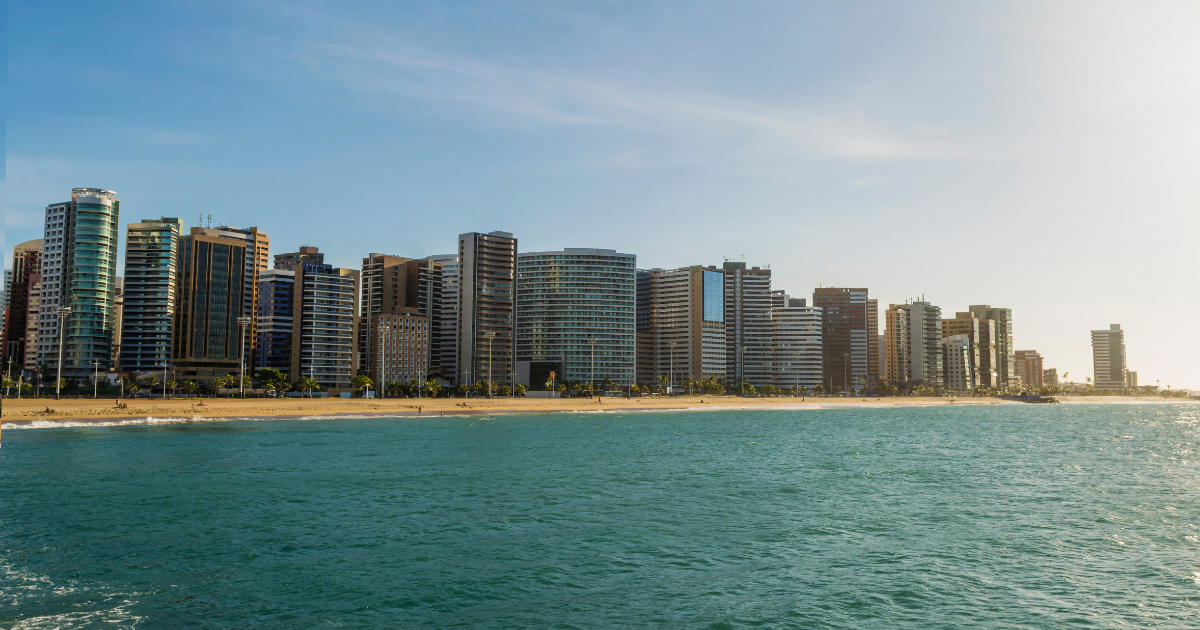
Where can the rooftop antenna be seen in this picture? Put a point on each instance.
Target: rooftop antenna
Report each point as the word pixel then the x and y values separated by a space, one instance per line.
pixel 200 220
pixel 210 220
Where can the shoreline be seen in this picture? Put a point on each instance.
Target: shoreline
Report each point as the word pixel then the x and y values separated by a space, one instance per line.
pixel 31 413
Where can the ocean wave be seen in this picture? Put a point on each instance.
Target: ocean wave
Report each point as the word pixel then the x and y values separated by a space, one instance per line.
pixel 148 420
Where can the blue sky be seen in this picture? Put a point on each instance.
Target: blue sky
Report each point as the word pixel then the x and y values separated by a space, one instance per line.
pixel 1032 155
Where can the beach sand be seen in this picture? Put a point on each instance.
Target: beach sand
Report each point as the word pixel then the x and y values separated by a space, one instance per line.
pixel 26 411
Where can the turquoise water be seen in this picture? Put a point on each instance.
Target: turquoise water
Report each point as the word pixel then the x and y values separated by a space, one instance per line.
pixel 1019 516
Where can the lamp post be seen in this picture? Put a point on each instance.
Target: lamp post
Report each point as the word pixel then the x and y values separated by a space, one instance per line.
pixel 592 341
pixel 63 312
pixel 383 335
pixel 243 321
pixel 490 336
pixel 671 369
pixel 845 372
pixel 95 377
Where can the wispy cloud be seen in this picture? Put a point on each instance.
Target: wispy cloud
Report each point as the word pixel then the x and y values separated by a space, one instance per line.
pixel 369 60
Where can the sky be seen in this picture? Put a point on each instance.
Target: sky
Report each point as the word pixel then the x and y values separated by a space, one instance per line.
pixel 1038 156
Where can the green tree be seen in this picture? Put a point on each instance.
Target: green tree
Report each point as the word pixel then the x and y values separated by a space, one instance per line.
pixel 171 385
pixel 307 384
pixel 433 387
pixel 361 383
pixel 520 391
pixel 769 390
pixel 190 388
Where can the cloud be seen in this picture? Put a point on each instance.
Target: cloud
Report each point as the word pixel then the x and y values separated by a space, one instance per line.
pixel 739 129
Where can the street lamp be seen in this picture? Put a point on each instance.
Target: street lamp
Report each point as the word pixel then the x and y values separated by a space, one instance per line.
pixel 383 332
pixel 95 377
pixel 490 336
pixel 243 321
pixel 671 383
pixel 63 312
pixel 845 372
pixel 592 341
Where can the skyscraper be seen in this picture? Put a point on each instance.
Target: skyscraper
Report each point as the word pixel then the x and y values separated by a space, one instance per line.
pixel 487 306
pixel 914 341
pixel 958 373
pixel 148 294
pixel 796 353
pixel 258 250
pixel 565 300
pixel 748 330
pixel 276 289
pixel 1029 368
pixel 209 299
pixel 27 260
pixel 394 285
pixel 448 337
pixel 1108 357
pixel 968 326
pixel 1002 341
pixel 845 334
pixel 324 301
pixel 79 270
pixel 680 325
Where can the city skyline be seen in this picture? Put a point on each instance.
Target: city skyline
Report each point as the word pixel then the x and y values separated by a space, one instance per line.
pixel 727 164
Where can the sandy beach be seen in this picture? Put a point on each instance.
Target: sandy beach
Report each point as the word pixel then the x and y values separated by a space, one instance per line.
pixel 30 411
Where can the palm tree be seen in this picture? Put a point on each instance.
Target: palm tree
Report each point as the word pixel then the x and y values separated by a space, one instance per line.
pixel 520 391
pixel 307 384
pixel 361 383
pixel 151 382
pixel 171 385
pixel 433 387
pixel 190 388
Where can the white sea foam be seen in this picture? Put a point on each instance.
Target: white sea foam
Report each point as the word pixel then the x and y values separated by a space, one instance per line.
pixel 148 420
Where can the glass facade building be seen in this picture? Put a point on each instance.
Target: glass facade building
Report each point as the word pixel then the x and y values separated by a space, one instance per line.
pixel 567 298
pixel 148 297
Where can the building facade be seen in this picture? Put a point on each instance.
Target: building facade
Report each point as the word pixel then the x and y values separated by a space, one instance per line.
pixel 576 310
pixel 448 338
pixel 487 307
pixel 845 335
pixel 1108 357
pixel 79 270
pixel 148 294
pixel 276 292
pixel 27 261
pixel 324 325
pixel 680 325
pixel 401 348
pixel 968 326
pixel 748 329
pixel 915 339
pixel 209 299
pixel 258 249
pixel 797 356
pixel 1000 332
pixel 1029 368
pixel 393 285
pixel 958 371
pixel 292 260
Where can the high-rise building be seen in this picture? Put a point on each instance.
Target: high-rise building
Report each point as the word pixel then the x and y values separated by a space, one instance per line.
pixel 487 306
pixel 209 299
pixel 27 260
pixel 1108 357
pixel 914 344
pixel 968 326
pixel 324 327
pixel 575 316
pixel 114 359
pixel 394 285
pixel 276 290
pixel 291 260
pixel 1029 368
pixel 874 358
pixel 1050 377
pixel 797 352
pixel 845 334
pixel 148 295
pixel 1131 379
pixel 748 330
pixel 958 371
pixel 31 322
pixel 448 339
pixel 79 270
pixel 258 249
pixel 680 325
pixel 1002 341
pixel 401 348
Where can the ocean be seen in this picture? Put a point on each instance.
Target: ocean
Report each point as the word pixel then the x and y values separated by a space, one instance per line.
pixel 1014 516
